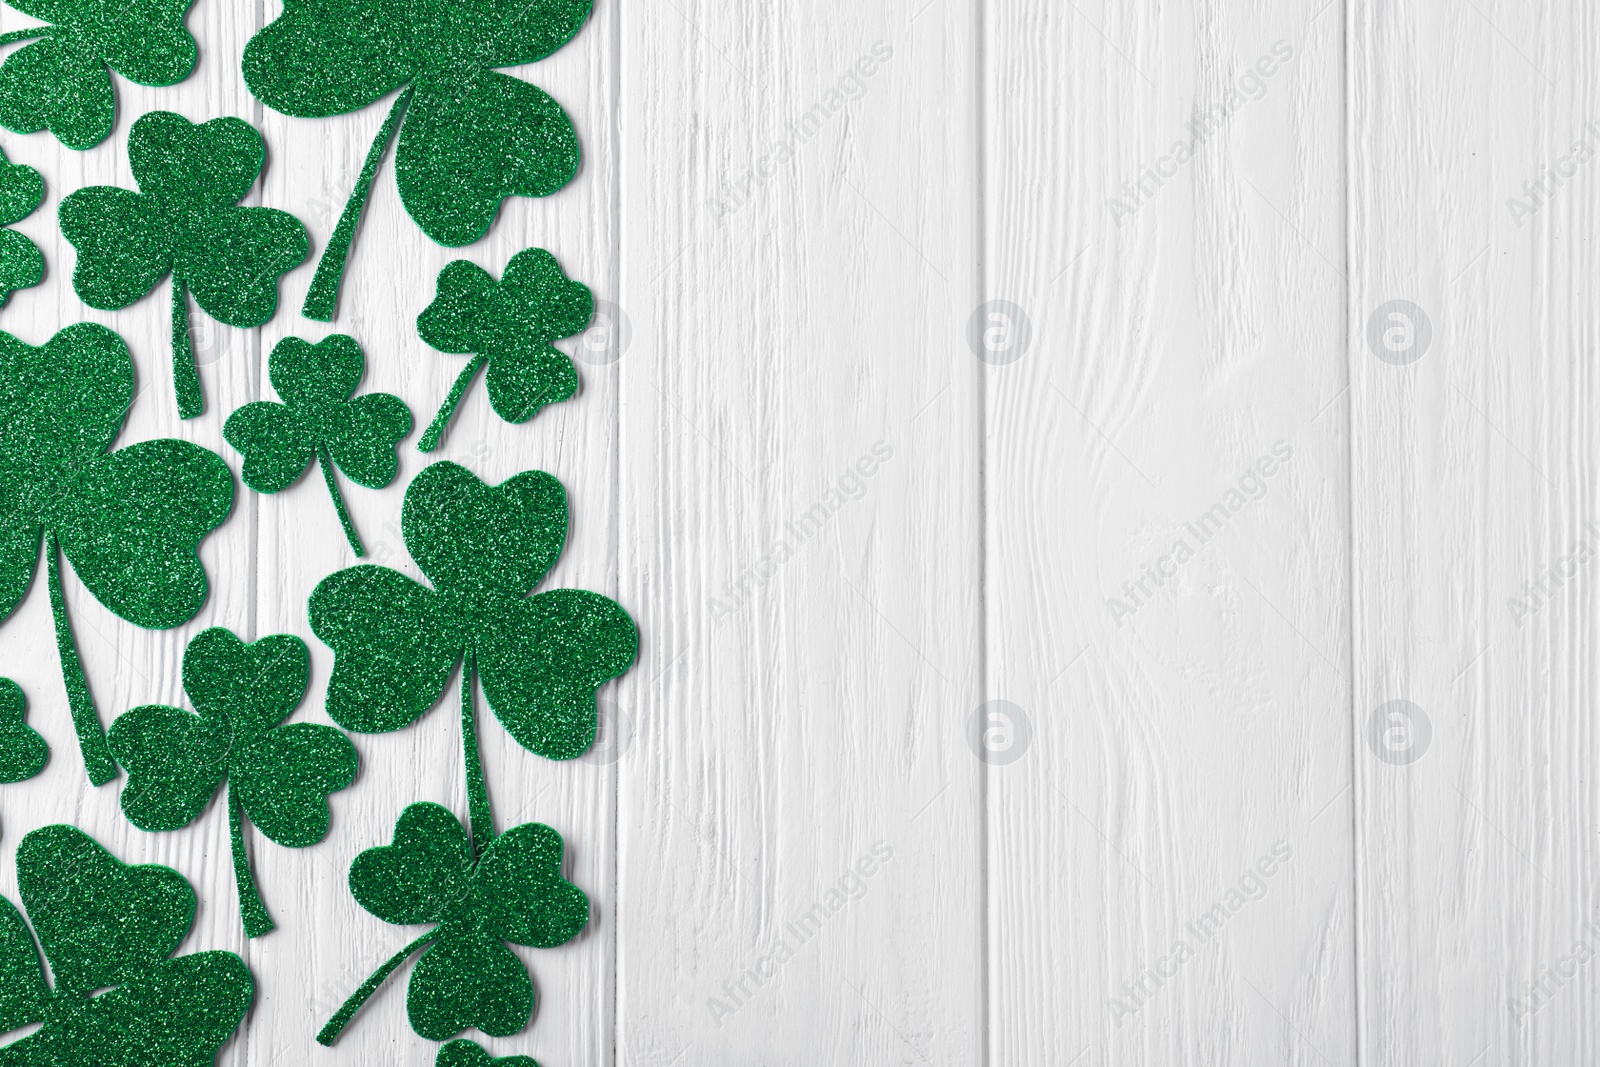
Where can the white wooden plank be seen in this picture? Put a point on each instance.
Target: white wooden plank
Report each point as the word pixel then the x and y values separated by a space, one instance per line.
pixel 1472 478
pixel 798 266
pixel 1168 818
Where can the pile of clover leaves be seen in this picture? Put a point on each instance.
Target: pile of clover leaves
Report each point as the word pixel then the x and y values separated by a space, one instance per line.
pixel 130 520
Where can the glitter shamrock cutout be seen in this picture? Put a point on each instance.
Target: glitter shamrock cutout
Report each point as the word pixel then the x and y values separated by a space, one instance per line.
pixel 60 82
pixel 508 325
pixel 464 1053
pixel 184 221
pixel 130 521
pixel 470 137
pixel 21 190
pixel 23 752
pixel 319 422
pixel 478 894
pixel 119 997
pixel 279 776
pixel 396 641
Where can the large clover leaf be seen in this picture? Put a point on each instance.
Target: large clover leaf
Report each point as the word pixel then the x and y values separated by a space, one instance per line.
pixel 318 421
pixel 471 136
pixel 279 776
pixel 508 325
pixel 542 657
pixel 60 82
pixel 184 221
pixel 21 190
pixel 108 931
pixel 130 521
pixel 510 892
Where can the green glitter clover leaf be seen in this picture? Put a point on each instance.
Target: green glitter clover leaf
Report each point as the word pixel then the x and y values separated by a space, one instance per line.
pixel 480 894
pixel 464 1053
pixel 471 137
pixel 396 642
pixel 108 930
pixel 318 421
pixel 61 83
pixel 21 190
pixel 23 752
pixel 278 775
pixel 508 325
pixel 130 521
pixel 184 221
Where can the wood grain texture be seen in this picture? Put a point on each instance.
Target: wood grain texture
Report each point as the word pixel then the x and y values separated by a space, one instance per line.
pixel 1471 478
pixel 800 523
pixel 1166 542
pixel 848 506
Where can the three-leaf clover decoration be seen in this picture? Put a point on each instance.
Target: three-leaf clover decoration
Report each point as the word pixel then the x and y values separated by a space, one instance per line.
pixel 184 221
pixel 278 775
pixel 130 521
pixel 119 998
pixel 319 422
pixel 508 325
pixel 22 751
pixel 60 82
pixel 479 895
pixel 21 190
pixel 541 657
pixel 471 136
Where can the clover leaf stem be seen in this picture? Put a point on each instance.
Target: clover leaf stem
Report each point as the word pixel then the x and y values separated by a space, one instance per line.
pixel 326 464
pixel 323 296
pixel 254 913
pixel 328 1034
pixel 478 813
pixel 97 761
pixel 430 439
pixel 25 35
pixel 185 375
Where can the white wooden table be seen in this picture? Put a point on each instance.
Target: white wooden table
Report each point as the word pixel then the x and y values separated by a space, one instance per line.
pixel 849 500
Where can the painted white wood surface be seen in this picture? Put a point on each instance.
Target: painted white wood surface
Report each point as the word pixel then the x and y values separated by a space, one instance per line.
pixel 841 532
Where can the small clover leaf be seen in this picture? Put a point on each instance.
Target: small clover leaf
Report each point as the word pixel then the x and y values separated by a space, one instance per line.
pixel 130 521
pixel 278 775
pixel 60 82
pixel 464 1053
pixel 23 752
pixel 542 657
pixel 185 222
pixel 318 421
pixel 508 325
pixel 512 893
pixel 470 136
pixel 104 924
pixel 21 190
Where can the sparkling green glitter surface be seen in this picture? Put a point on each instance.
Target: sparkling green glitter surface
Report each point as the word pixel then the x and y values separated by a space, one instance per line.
pixel 108 931
pixel 280 776
pixel 469 138
pixel 23 752
pixel 60 81
pixel 185 221
pixel 464 1053
pixel 21 190
pixel 318 421
pixel 483 547
pixel 129 521
pixel 508 325
pixel 513 893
